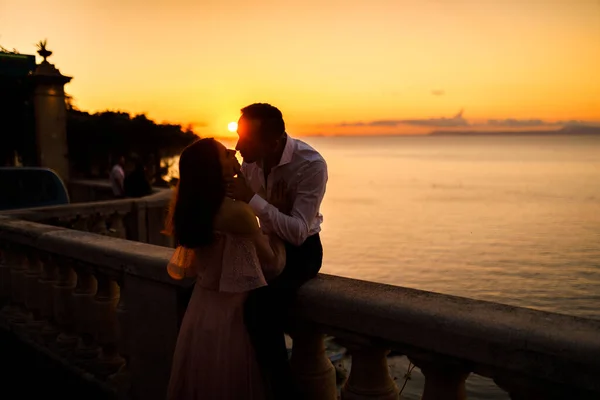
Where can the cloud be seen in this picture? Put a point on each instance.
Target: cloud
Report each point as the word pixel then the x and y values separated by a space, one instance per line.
pixel 386 123
pixel 574 122
pixel 531 123
pixel 516 123
pixel 458 121
pixel 455 121
pixel 438 92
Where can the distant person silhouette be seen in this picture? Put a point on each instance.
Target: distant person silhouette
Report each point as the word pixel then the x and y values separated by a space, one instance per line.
pixel 283 180
pixel 136 183
pixel 117 178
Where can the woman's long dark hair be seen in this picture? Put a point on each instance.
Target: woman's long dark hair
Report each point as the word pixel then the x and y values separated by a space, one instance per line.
pixel 198 197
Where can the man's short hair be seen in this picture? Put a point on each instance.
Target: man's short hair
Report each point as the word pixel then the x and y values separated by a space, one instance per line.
pixel 271 119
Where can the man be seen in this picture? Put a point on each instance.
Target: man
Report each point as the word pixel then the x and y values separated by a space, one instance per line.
pixel 275 166
pixel 117 178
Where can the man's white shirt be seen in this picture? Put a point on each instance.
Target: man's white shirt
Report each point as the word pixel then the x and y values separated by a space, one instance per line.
pixel 304 171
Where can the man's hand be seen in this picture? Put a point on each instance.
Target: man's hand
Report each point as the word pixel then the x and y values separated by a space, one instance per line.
pixel 280 198
pixel 238 189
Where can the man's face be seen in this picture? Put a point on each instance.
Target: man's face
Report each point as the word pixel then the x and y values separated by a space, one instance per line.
pixel 250 145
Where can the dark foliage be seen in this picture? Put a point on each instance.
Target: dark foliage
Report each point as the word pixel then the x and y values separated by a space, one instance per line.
pixel 97 140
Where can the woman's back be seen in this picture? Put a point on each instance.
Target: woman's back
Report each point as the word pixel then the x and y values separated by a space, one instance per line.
pixel 214 357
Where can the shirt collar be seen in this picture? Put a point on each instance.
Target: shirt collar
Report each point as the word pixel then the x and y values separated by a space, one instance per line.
pixel 288 151
pixel 286 156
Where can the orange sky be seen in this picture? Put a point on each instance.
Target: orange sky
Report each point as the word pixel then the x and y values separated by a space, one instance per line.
pixel 322 62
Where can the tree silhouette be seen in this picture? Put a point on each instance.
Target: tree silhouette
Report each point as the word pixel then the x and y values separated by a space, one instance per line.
pixel 96 140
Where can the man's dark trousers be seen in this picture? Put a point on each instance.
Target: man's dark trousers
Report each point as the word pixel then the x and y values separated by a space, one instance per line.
pixel 266 311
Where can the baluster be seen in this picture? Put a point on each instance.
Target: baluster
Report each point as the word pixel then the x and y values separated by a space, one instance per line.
pixel 83 297
pixel 33 300
pixel 4 280
pixel 99 224
pixel 17 314
pixel 81 224
pixel 121 380
pixel 107 332
pixel 47 282
pixel 64 222
pixel 369 375
pixel 117 227
pixel 314 373
pixel 64 310
pixel 135 223
pixel 444 378
pixel 5 288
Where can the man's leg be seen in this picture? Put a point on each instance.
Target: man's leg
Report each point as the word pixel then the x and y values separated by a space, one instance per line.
pixel 266 312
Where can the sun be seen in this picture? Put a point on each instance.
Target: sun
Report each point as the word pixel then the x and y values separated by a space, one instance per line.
pixel 232 126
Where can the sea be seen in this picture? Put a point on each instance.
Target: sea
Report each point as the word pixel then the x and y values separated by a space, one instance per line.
pixel 508 219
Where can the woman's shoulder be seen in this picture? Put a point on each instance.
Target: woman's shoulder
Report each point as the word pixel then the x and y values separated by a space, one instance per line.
pixel 236 217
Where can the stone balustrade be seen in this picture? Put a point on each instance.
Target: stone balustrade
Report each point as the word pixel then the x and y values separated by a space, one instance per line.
pixel 90 190
pixel 140 220
pixel 102 305
pixel 106 307
pixel 87 191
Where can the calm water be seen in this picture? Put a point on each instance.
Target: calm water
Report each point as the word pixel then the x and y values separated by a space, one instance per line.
pixel 512 220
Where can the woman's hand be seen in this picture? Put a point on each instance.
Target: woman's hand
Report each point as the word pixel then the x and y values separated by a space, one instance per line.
pixel 280 198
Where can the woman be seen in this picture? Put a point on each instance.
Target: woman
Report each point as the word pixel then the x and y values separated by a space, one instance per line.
pixel 220 244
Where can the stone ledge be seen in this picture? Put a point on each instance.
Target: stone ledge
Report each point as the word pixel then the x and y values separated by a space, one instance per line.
pixel 104 184
pixel 94 183
pixel 73 210
pixel 23 232
pixel 478 332
pixel 117 255
pixel 160 198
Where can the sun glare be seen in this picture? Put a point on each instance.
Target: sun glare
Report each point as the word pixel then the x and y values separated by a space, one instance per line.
pixel 232 126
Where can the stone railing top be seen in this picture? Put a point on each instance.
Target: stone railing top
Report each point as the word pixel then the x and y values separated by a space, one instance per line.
pixel 98 183
pixel 161 197
pixel 484 334
pixel 103 184
pixel 112 255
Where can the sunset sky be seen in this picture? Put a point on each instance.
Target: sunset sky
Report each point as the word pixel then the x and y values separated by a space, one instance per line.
pixel 332 67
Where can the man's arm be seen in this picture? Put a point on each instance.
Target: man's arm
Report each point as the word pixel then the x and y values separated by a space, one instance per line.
pixel 294 228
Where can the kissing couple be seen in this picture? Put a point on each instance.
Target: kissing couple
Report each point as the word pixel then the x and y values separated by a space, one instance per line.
pixel 231 343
